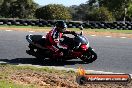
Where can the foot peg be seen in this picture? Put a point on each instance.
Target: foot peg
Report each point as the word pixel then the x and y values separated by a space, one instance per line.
pixel 30 52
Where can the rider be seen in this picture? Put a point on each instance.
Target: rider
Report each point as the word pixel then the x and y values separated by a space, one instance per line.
pixel 55 37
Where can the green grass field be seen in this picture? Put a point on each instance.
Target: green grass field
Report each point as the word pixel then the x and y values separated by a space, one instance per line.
pixel 9 84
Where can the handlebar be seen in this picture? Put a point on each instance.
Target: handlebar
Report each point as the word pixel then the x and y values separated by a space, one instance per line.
pixel 81 27
pixel 74 33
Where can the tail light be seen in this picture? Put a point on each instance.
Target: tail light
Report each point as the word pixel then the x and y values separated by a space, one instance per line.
pixel 84 46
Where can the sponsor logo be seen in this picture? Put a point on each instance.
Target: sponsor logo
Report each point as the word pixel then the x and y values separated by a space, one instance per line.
pixel 83 78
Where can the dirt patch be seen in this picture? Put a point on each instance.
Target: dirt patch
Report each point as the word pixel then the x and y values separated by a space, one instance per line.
pixel 50 80
pixel 39 79
pixel 86 32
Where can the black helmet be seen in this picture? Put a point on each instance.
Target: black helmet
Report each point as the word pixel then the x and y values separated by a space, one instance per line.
pixel 61 26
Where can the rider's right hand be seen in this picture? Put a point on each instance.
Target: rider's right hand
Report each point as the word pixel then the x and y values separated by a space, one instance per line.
pixel 73 32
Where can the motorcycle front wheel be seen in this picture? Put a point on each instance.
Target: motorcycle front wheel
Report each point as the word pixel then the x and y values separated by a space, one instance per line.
pixel 89 56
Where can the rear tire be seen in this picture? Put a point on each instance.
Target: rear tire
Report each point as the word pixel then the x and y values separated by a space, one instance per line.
pixel 89 56
pixel 39 58
pixel 39 55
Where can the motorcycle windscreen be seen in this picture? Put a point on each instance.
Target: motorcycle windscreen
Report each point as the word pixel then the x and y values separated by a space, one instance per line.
pixel 81 39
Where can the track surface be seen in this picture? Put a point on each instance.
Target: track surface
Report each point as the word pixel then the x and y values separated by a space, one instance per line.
pixel 114 54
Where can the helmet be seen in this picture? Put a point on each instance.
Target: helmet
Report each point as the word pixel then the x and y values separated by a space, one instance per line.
pixel 61 26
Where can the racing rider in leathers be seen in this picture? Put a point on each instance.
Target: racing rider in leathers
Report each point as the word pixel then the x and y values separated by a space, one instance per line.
pixel 55 38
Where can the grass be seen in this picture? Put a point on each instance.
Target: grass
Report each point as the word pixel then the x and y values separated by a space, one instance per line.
pixel 72 29
pixel 42 69
pixel 6 70
pixel 9 84
pixel 13 26
pixel 5 82
pixel 111 30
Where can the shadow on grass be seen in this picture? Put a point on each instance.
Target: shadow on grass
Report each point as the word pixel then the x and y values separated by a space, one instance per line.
pixel 46 62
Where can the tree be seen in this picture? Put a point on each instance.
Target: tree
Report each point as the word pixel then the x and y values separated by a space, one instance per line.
pixel 1 1
pixel 18 8
pixel 129 11
pixel 100 14
pixel 5 8
pixel 78 12
pixel 82 10
pixel 73 11
pixel 115 6
pixel 53 12
pixel 23 9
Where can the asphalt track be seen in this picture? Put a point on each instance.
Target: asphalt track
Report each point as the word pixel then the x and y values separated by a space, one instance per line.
pixel 114 54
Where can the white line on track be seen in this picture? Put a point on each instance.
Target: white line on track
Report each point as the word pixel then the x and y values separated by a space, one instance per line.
pixel 8 30
pixel 108 36
pixel 122 37
pixel 93 35
pixel 31 31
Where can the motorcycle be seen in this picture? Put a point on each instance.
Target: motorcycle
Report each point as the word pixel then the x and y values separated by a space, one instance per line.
pixel 79 48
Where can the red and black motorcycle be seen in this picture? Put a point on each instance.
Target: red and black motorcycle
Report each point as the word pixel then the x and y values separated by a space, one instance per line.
pixel 79 48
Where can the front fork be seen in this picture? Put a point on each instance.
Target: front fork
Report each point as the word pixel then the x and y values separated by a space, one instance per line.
pixel 90 49
pixel 31 50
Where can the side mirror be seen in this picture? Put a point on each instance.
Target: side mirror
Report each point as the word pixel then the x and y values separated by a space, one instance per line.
pixel 81 27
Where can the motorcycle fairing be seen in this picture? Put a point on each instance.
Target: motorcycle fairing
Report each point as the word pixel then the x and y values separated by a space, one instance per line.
pixel 37 40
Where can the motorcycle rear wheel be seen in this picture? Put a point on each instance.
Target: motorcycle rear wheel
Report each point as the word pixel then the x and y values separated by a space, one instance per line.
pixel 40 55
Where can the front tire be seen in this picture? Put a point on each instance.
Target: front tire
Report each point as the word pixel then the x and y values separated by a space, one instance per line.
pixel 89 56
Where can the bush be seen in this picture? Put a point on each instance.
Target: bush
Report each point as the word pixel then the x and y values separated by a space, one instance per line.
pixel 53 12
pixel 99 14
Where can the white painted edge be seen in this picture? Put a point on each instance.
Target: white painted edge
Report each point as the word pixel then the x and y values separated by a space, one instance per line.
pixel 31 31
pixel 8 30
pixel 108 36
pixel 123 37
pixel 93 35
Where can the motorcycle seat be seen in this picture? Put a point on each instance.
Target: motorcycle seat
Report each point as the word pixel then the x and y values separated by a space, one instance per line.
pixel 37 39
